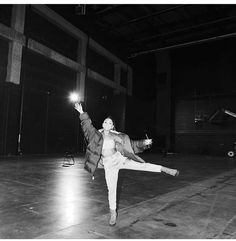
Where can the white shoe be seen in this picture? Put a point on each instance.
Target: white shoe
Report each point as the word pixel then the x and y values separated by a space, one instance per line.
pixel 172 172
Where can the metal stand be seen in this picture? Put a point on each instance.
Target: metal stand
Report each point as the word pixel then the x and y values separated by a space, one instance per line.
pixel 231 153
pixel 68 160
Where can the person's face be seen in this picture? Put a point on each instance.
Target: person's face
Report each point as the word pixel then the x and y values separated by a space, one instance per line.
pixel 107 124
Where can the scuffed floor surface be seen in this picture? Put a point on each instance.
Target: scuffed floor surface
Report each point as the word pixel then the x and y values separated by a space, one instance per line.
pixel 39 198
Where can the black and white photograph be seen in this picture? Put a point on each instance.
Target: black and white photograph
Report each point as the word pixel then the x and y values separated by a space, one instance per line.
pixel 117 120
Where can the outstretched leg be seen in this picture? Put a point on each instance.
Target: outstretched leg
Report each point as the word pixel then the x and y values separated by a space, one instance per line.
pixel 149 167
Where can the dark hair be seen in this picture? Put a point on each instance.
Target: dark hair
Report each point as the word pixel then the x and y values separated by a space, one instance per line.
pixel 114 124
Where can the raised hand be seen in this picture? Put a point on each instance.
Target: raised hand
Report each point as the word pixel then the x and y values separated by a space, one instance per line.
pixel 79 107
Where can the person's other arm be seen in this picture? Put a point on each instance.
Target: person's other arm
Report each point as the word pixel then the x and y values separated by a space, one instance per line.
pixel 140 145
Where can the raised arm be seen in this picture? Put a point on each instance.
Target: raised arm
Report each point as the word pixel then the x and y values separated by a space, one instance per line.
pixel 86 123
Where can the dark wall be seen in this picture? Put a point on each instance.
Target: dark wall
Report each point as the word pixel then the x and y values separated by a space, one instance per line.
pixel 5 14
pixel 141 106
pixel 203 79
pixel 144 77
pixel 101 101
pixel 9 116
pixel 47 33
pixel 100 64
pixel 140 118
pixel 8 103
pixel 49 123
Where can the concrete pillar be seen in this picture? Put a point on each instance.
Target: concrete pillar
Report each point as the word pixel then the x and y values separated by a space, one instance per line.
pixel 80 87
pixel 123 113
pixel 164 98
pixel 117 75
pixel 119 101
pixel 81 76
pixel 13 71
pixel 130 80
pixel 15 48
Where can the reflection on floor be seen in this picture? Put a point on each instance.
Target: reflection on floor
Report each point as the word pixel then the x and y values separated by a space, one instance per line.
pixel 42 199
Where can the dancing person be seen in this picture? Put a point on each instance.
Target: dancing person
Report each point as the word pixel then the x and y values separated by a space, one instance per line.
pixel 113 151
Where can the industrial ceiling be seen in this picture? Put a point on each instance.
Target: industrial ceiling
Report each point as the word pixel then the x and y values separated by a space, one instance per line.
pixel 136 29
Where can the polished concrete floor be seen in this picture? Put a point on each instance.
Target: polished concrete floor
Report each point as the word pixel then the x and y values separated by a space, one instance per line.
pixel 39 198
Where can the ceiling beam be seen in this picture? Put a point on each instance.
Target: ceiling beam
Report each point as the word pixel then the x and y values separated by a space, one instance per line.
pixel 184 29
pixel 135 20
pixel 133 38
pixel 133 55
pixel 107 10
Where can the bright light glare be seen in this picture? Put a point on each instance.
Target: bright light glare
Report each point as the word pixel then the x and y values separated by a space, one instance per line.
pixel 74 97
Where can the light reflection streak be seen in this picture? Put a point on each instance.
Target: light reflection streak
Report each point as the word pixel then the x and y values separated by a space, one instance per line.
pixel 70 188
